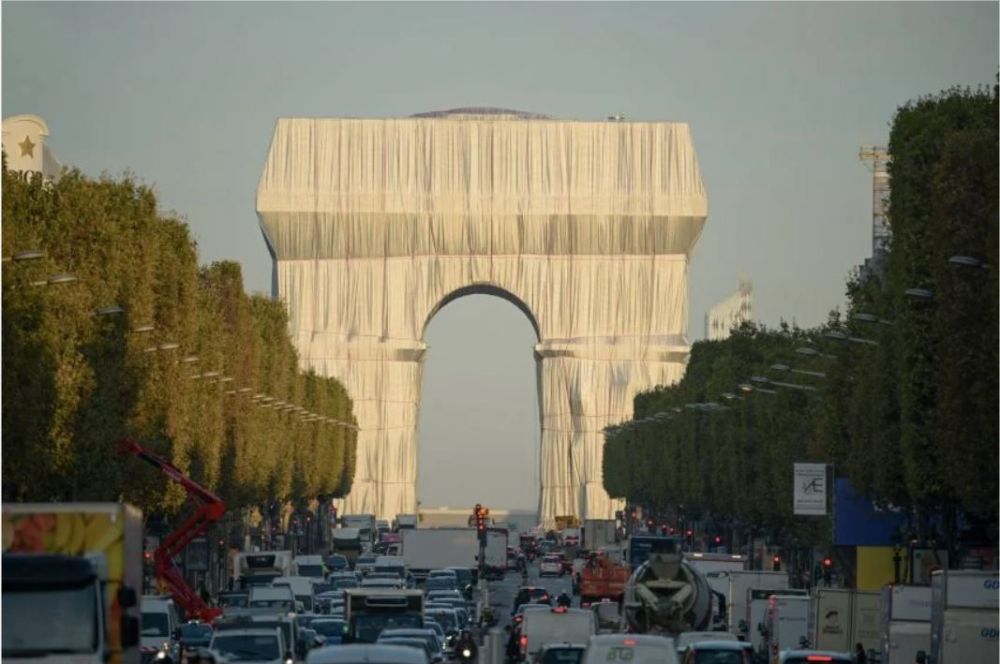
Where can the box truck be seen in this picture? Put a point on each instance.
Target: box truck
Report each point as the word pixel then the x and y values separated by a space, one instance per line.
pixel 905 624
pixel 78 566
pixel 739 585
pixel 964 616
pixel 436 548
pixel 844 618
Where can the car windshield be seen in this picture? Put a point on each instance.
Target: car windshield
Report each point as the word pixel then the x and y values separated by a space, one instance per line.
pixel 233 601
pixel 153 624
pixel 328 628
pixel 563 656
pixel 62 620
pixel 264 604
pixel 196 631
pixel 246 647
pixel 311 570
pixel 368 626
pixel 441 583
pixel 446 619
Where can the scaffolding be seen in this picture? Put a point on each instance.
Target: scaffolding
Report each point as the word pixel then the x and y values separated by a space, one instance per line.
pixel 876 158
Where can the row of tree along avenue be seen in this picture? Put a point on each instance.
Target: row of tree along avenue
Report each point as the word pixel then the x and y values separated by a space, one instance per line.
pixel 111 329
pixel 899 393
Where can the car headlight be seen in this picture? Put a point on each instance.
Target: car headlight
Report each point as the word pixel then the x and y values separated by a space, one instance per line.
pixel 161 655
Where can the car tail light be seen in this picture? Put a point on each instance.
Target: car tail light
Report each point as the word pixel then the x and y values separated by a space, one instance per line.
pixel 629 642
pixel 559 609
pixel 524 644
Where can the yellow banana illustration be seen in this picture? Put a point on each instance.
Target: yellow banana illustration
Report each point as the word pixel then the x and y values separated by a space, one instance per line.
pixel 101 532
pixel 78 531
pixel 8 532
pixel 115 556
pixel 62 533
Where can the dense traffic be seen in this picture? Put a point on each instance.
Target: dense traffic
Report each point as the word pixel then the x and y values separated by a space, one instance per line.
pixel 383 593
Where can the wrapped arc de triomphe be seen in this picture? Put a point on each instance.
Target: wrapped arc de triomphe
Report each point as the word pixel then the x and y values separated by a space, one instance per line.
pixel 375 224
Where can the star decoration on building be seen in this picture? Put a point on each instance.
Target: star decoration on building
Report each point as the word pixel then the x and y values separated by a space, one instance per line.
pixel 27 148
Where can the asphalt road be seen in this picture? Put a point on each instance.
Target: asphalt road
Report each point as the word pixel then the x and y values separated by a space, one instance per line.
pixel 502 593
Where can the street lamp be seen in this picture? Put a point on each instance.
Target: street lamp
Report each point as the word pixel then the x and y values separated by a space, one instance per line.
pixel 110 310
pixel 968 261
pixel 919 293
pixel 29 255
pixel 62 278
pixel 142 329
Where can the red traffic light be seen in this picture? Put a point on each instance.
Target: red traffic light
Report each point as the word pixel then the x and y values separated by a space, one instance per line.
pixel 776 559
pixel 689 532
pixel 718 540
pixel 827 562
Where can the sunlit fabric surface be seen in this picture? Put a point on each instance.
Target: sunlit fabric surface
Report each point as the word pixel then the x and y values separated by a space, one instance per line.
pixel 375 224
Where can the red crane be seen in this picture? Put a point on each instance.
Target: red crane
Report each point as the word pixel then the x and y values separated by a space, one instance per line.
pixel 210 509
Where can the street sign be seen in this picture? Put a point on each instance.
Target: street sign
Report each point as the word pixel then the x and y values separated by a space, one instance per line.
pixel 809 482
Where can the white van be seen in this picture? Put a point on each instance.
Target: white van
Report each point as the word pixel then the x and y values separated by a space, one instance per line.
pixel 631 648
pixel 271 600
pixel 555 625
pixel 311 566
pixel 159 627
pixel 302 589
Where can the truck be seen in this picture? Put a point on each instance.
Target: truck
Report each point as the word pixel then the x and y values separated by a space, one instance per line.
pixel 347 542
pixel 259 568
pixel 738 593
pixel 905 623
pixel 404 521
pixel 602 578
pixel 666 595
pixel 786 624
pixel 758 605
pixel 639 547
pixel 556 625
pixel 845 617
pixel 436 548
pixel 496 553
pixel 78 566
pixel 598 533
pixel 365 523
pixel 368 611
pixel 964 611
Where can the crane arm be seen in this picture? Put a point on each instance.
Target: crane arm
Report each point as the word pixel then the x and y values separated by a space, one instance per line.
pixel 210 509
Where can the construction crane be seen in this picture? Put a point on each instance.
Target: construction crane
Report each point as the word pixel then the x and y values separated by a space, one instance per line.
pixel 210 509
pixel 876 158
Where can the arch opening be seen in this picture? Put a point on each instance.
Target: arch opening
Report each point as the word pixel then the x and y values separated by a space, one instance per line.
pixel 479 432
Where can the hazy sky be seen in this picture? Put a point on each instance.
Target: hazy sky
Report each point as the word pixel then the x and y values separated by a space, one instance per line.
pixel 779 96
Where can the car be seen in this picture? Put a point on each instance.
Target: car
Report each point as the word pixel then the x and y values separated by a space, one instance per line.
pixel 392 584
pixel 332 629
pixel 343 583
pixel 234 599
pixel 561 653
pixel 195 635
pixel 252 644
pixel 366 563
pixel 717 652
pixel 434 595
pixel 555 625
pixel 633 648
pixel 551 566
pixel 158 639
pixel 368 653
pixel 811 656
pixel 448 572
pixel 433 655
pixel 441 583
pixel 447 618
pixel 464 575
pixel 531 594
pixel 428 635
pixel 685 639
pixel 336 562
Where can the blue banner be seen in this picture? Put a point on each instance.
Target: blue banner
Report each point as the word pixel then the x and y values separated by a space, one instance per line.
pixel 857 522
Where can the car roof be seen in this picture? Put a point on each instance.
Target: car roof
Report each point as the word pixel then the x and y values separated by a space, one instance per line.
pixel 567 646
pixel 837 656
pixel 637 639
pixel 374 653
pixel 717 644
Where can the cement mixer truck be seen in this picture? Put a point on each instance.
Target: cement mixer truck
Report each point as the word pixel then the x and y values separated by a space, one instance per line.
pixel 667 595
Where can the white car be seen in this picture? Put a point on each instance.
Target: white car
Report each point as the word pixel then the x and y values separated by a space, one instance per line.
pixel 632 648
pixel 252 644
pixel 550 565
pixel 374 653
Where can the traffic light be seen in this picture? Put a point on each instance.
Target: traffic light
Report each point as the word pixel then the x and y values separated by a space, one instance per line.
pixel 480 519
pixel 776 563
pixel 718 539
pixel 689 534
pixel 827 570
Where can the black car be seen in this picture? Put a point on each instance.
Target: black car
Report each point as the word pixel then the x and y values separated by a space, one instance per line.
pixel 336 562
pixel 195 635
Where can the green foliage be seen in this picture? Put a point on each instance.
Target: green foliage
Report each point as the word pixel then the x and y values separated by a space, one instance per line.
pixel 911 418
pixel 74 383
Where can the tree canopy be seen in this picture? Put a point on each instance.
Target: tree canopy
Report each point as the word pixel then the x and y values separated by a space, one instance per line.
pixel 193 367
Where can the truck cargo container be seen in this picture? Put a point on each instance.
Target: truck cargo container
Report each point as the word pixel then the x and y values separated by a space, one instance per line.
pixel 844 618
pixel 964 614
pixel 76 565
pixel 905 625
pixel 436 548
